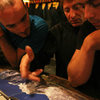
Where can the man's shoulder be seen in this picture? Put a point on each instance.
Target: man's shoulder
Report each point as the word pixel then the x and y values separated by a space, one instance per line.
pixel 37 20
pixel 87 28
pixel 87 25
pixel 35 17
pixel 60 27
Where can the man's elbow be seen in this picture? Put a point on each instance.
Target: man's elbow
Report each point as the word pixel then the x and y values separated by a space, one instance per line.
pixel 77 81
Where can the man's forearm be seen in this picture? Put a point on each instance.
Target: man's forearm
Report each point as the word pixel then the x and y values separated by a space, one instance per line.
pixel 8 50
pixel 80 67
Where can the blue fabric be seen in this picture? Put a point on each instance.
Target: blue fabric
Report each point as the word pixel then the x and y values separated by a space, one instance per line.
pixel 37 37
pixel 13 90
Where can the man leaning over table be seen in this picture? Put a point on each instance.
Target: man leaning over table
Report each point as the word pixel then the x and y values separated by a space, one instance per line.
pixel 20 33
pixel 84 67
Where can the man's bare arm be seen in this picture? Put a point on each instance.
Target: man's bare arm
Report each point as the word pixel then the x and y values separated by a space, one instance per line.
pixel 10 53
pixel 80 66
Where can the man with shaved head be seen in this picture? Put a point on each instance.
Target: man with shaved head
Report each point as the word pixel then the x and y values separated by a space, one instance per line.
pixel 18 32
pixel 84 67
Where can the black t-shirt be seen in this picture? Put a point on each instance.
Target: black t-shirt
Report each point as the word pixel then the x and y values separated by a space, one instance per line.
pixel 66 38
pixel 85 30
pixel 92 87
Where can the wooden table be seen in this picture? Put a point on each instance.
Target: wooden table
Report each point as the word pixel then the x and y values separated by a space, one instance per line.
pixel 59 81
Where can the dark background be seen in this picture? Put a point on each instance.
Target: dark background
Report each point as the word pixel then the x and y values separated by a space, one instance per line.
pixel 52 16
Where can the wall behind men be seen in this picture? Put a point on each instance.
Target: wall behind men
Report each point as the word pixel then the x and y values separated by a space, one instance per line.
pixel 52 16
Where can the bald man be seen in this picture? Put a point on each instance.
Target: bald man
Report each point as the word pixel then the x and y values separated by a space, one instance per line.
pixel 21 33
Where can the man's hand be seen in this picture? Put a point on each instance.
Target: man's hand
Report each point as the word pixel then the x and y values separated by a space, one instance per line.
pixel 25 65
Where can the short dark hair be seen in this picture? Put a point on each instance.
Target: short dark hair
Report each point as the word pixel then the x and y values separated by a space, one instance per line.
pixel 62 1
pixel 91 2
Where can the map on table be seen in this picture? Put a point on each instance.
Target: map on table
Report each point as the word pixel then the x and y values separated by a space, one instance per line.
pixel 13 85
pixel 10 82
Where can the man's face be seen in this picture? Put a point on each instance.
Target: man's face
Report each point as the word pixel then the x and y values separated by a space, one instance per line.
pixel 74 12
pixel 92 12
pixel 16 19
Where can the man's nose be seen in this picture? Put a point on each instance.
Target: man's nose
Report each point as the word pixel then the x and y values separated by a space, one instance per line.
pixel 72 13
pixel 89 14
pixel 22 27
